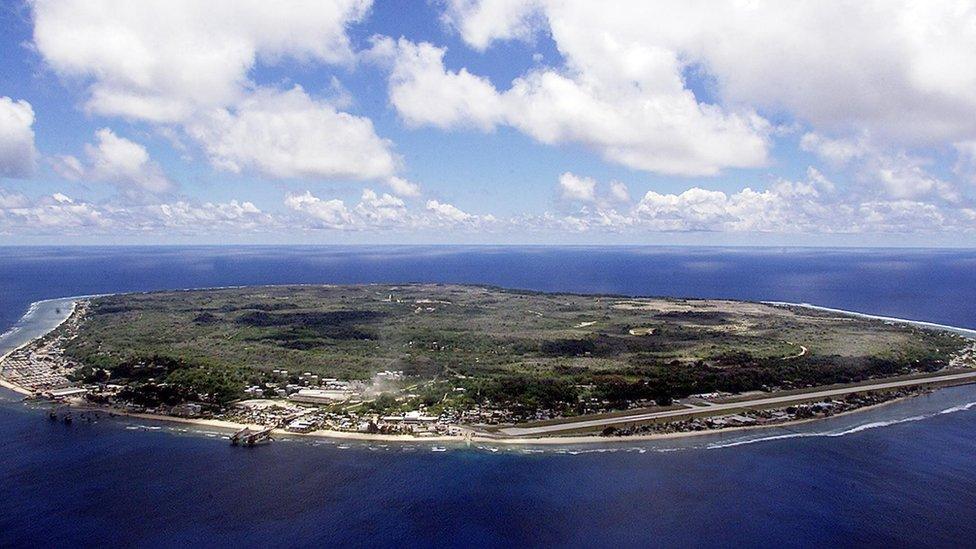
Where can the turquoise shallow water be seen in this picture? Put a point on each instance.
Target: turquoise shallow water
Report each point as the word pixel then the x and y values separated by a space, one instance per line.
pixel 897 475
pixel 40 318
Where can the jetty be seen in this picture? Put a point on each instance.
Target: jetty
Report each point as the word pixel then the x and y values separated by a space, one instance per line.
pixel 250 437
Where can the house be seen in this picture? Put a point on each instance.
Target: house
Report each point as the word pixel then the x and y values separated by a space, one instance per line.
pixel 187 409
pixel 301 425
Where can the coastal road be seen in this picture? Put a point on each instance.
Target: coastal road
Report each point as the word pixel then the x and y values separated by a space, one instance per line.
pixel 729 406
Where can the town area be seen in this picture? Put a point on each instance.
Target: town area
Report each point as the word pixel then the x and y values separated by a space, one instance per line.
pixel 395 402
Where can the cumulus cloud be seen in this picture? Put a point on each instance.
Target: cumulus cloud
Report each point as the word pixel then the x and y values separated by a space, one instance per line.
pixel 892 172
pixel 897 68
pixel 813 205
pixel 965 166
pixel 574 187
pixel 162 60
pixel 905 177
pixel 619 192
pixel 190 216
pixel 447 212
pixel 53 213
pixel 402 187
pixel 586 190
pixel 425 93
pixel 481 23
pixel 874 88
pixel 873 82
pixel 59 214
pixel 17 153
pixel 330 213
pixel 10 200
pixel 836 151
pixel 376 211
pixel 116 160
pixel 289 134
pixel 186 66
pixel 643 119
pixel 786 207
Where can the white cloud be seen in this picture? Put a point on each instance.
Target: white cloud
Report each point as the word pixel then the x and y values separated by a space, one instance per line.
pixel 68 166
pixel 208 216
pixel 188 64
pixel 578 188
pixel 871 82
pixel 785 207
pixel 332 214
pixel 695 209
pixel 382 212
pixel 118 161
pixel 162 60
pixel 289 134
pixel 586 190
pixel 17 153
pixel 480 23
pixel 646 121
pixel 424 93
pixel 619 192
pixel 965 166
pixel 402 187
pixel 9 200
pixel 899 69
pixel 894 173
pixel 839 151
pixel 55 213
pixel 900 216
pixel 810 206
pixel 905 177
pixel 448 212
pixel 59 214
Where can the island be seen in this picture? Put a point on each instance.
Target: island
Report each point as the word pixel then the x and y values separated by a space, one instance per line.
pixel 472 362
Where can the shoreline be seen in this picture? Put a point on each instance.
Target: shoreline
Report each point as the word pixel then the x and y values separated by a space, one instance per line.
pixel 508 441
pixel 965 332
pixel 33 307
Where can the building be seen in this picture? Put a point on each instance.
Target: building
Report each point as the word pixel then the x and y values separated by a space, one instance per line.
pixel 65 392
pixel 301 425
pixel 413 416
pixel 320 396
pixel 187 409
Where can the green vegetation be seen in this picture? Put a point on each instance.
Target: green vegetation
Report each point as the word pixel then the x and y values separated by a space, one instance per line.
pixel 463 345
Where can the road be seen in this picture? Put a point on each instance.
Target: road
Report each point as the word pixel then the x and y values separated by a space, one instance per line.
pixel 729 406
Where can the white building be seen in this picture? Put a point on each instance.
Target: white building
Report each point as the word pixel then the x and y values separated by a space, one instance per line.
pixel 320 396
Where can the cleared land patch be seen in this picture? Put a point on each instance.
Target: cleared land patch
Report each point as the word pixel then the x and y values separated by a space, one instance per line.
pixel 465 346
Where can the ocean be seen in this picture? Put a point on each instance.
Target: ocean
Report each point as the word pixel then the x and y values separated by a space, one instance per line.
pixel 894 476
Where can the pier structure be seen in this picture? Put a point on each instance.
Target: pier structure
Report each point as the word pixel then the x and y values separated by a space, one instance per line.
pixel 250 437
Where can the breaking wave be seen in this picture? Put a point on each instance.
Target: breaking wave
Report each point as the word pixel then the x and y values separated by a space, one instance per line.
pixel 844 432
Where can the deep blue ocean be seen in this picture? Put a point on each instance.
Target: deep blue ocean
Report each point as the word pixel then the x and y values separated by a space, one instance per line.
pixel 901 475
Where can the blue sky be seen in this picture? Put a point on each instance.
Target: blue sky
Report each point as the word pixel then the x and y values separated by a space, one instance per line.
pixel 488 122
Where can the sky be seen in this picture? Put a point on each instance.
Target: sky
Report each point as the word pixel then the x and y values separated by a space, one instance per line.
pixel 745 122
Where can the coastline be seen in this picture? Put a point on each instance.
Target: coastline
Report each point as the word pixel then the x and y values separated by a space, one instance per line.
pixel 965 332
pixel 509 441
pixel 33 307
pixel 13 387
